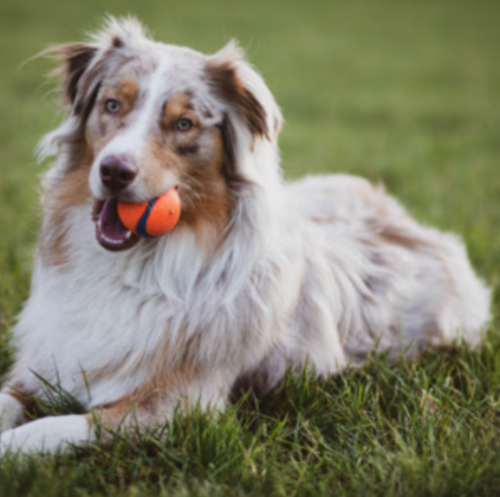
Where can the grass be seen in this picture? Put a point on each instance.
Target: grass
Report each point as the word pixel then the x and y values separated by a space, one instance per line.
pixel 403 92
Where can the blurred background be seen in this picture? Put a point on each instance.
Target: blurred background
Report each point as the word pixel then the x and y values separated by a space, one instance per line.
pixel 403 92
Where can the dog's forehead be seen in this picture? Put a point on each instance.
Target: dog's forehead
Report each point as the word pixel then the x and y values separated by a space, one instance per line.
pixel 165 70
pixel 178 62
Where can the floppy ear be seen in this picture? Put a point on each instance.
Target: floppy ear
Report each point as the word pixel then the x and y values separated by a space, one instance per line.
pixel 82 67
pixel 251 118
pixel 235 83
pixel 81 64
pixel 75 58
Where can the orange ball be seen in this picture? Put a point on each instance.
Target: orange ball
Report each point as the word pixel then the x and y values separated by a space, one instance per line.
pixel 153 218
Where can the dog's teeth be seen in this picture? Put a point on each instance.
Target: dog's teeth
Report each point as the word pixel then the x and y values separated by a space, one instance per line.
pixel 128 235
pixel 99 224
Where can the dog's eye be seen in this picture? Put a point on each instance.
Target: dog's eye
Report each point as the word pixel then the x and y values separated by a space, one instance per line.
pixel 183 124
pixel 112 106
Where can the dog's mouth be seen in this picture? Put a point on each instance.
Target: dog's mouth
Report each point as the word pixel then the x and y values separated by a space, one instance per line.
pixel 110 231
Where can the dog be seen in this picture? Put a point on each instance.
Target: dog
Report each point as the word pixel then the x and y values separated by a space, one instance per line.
pixel 259 275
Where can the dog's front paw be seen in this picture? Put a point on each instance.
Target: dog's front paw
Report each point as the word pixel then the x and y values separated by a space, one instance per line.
pixel 11 412
pixel 47 435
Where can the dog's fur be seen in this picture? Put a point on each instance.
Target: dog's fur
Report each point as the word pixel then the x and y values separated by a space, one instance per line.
pixel 258 276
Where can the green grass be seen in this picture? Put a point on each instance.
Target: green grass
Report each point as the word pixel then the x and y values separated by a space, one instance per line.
pixel 404 92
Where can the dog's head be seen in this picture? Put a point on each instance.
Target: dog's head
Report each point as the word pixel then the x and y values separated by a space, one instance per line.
pixel 146 117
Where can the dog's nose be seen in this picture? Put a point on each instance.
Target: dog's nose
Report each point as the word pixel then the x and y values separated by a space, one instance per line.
pixel 117 173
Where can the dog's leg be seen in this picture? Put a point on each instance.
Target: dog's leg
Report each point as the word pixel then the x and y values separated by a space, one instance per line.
pixel 56 434
pixel 12 406
pixel 47 435
pixel 151 406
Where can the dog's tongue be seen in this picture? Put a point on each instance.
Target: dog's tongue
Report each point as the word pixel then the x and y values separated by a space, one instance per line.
pixel 110 232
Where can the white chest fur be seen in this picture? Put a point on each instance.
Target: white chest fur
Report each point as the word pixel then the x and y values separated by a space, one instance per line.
pixel 101 319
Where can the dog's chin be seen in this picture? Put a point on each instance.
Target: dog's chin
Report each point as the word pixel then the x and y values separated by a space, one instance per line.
pixel 110 231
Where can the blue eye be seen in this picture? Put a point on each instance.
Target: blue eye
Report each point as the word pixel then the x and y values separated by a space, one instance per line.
pixel 183 124
pixel 112 106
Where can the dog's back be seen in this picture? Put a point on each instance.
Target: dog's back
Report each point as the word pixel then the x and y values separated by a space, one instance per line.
pixel 411 285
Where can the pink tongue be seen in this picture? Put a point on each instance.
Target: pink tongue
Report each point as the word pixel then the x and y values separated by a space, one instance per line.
pixel 110 232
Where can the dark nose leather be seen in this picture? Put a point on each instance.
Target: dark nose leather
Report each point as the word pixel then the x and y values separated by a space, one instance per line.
pixel 117 173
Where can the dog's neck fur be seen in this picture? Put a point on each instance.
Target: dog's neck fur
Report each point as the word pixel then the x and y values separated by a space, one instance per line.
pixel 200 292
pixel 180 262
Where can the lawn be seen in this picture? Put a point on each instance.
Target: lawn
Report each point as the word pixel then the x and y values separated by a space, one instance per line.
pixel 402 92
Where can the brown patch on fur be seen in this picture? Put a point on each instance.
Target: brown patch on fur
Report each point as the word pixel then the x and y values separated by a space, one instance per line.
pixel 25 397
pixel 162 392
pixel 398 236
pixel 166 382
pixel 128 89
pixel 69 191
pixel 227 85
pixel 19 392
pixel 179 106
pixel 75 58
pixel 126 93
pixel 202 187
pixel 117 42
pixel 110 417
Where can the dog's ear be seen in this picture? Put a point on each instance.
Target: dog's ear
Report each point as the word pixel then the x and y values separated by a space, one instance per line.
pixel 75 58
pixel 81 65
pixel 243 91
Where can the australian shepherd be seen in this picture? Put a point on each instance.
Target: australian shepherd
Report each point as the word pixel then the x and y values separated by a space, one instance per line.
pixel 258 276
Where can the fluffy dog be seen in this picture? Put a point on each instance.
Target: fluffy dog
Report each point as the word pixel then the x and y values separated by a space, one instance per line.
pixel 257 277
